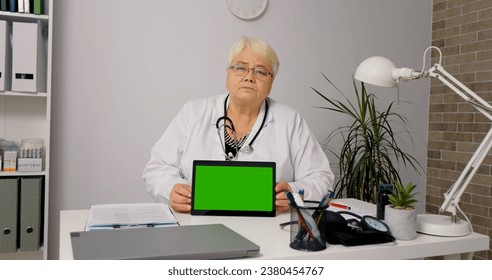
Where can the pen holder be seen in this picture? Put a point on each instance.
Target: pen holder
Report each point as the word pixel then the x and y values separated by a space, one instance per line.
pixel 304 232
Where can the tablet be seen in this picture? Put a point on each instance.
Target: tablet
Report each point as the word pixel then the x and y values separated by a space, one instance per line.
pixel 233 188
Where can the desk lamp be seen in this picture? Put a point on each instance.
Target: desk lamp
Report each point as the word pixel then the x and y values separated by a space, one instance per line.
pixel 381 71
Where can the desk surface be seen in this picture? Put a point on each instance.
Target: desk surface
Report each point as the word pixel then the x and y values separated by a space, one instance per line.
pixel 274 241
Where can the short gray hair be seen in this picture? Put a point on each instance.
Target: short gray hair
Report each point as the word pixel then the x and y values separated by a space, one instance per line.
pixel 259 48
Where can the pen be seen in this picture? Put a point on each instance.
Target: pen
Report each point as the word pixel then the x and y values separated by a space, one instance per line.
pixel 331 194
pixel 298 199
pixel 317 215
pixel 326 199
pixel 338 205
pixel 133 226
pixel 305 228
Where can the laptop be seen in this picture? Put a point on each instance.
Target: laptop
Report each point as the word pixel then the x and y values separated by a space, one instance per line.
pixel 233 188
pixel 215 241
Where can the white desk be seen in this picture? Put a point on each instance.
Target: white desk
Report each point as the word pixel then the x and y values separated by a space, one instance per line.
pixel 274 241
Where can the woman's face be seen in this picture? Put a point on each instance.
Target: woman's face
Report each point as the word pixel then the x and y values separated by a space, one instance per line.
pixel 249 87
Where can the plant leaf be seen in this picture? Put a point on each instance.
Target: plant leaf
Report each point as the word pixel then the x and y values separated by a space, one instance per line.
pixel 370 153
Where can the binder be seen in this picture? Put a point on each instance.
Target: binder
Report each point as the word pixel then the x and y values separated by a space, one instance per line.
pixel 13 6
pixel 38 7
pixel 9 197
pixel 20 6
pixel 28 58
pixel 5 58
pixel 4 5
pixel 30 227
pixel 28 6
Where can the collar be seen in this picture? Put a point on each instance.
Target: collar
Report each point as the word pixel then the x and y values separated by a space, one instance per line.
pixel 219 110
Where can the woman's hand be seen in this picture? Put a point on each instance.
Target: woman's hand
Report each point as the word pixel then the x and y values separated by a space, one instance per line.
pixel 180 198
pixel 281 201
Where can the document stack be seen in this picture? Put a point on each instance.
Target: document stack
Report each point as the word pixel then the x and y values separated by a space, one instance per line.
pixel 120 216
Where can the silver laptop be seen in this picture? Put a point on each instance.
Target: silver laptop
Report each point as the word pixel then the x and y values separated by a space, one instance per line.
pixel 214 241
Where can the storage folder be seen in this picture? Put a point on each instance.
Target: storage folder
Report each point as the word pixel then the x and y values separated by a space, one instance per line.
pixel 28 6
pixel 5 58
pixel 13 6
pixel 4 5
pixel 31 197
pixel 38 7
pixel 20 6
pixel 9 197
pixel 28 58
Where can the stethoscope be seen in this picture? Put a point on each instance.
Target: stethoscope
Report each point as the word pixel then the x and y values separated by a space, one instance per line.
pixel 227 123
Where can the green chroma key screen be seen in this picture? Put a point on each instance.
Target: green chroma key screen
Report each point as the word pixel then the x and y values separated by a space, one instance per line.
pixel 233 188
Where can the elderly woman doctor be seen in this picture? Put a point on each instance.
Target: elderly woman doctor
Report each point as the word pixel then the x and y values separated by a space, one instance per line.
pixel 243 125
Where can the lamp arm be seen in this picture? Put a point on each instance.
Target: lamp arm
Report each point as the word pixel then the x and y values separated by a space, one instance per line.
pixel 453 195
pixel 437 71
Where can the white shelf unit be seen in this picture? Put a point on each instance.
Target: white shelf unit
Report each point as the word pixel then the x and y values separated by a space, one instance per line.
pixel 28 115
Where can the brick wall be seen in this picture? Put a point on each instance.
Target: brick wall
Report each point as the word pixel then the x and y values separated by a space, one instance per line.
pixel 462 29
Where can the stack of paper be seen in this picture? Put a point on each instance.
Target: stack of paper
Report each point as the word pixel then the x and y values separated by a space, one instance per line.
pixel 113 216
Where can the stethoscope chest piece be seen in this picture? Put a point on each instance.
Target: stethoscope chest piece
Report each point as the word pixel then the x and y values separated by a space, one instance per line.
pixel 248 149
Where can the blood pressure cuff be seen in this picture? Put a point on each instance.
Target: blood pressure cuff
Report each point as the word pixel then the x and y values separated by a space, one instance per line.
pixel 335 229
pixel 353 238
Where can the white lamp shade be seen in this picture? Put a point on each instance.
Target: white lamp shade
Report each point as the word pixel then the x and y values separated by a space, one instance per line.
pixel 376 70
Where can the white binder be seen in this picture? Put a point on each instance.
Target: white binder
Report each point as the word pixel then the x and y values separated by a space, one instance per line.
pixel 20 6
pixel 5 56
pixel 28 58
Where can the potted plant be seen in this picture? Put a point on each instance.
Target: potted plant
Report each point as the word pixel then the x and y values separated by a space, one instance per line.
pixel 400 214
pixel 370 154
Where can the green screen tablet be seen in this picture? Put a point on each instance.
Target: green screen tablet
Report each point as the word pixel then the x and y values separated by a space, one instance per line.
pixel 233 188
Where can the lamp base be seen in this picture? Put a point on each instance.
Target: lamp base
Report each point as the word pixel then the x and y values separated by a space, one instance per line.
pixel 441 225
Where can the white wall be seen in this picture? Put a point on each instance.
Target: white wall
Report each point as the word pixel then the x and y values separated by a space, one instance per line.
pixel 123 68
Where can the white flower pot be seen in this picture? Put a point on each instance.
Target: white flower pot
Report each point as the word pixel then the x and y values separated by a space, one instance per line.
pixel 402 223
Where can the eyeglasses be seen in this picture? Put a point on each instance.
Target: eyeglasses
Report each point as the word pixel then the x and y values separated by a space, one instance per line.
pixel 259 73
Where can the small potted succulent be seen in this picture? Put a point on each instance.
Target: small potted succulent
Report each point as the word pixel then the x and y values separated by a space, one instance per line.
pixel 400 213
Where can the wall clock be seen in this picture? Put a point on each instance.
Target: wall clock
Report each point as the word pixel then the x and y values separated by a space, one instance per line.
pixel 247 9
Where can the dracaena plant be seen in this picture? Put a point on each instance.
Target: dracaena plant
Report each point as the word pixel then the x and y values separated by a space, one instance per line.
pixel 370 154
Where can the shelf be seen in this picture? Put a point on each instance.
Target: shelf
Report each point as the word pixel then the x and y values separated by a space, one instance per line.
pixel 28 115
pixel 34 94
pixel 23 255
pixel 22 17
pixel 17 173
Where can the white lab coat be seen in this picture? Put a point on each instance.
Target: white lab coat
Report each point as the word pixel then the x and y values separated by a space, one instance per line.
pixel 284 139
